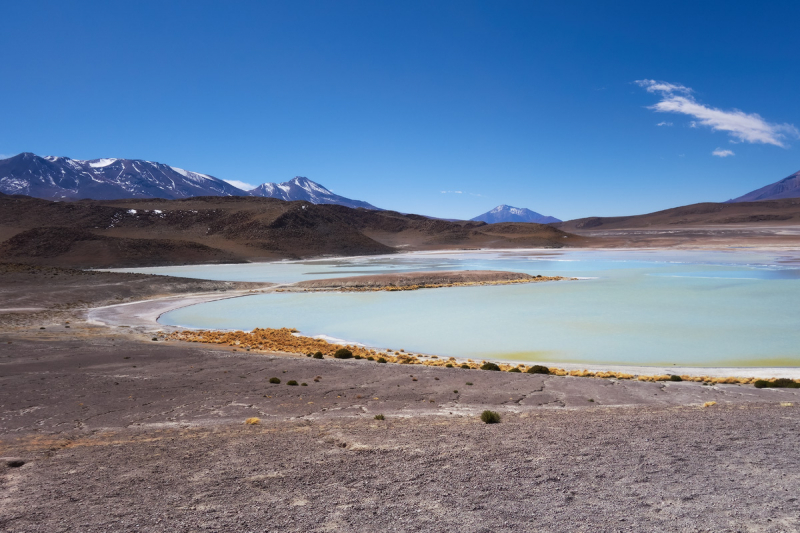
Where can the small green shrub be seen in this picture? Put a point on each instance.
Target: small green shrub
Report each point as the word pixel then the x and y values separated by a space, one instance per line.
pixel 449 365
pixel 490 417
pixel 538 369
pixel 781 383
pixel 675 377
pixel 309 354
pixel 490 366
pixel 318 355
pixel 292 382
pixel 381 360
pixel 274 380
pixel 370 358
pixel 343 353
pixel 304 384
pixel 469 383
pixel 515 369
pixel 465 366
pixel 380 417
pixel 455 392
pixel 591 400
pixel 357 357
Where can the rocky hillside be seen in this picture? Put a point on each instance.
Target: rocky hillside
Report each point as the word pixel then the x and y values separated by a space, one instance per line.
pixel 233 229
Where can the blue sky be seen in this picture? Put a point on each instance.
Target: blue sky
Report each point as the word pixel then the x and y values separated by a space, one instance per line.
pixel 553 106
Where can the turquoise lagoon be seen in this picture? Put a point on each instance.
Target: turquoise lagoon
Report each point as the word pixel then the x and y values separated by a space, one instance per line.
pixel 633 307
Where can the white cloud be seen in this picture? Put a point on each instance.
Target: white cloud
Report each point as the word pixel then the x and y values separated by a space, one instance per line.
pixel 452 192
pixel 240 184
pixel 664 124
pixel 744 127
pixel 719 152
pixel 653 86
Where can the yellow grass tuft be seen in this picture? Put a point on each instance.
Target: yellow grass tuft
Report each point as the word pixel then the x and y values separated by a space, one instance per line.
pixel 252 421
pixel 787 404
pixel 709 404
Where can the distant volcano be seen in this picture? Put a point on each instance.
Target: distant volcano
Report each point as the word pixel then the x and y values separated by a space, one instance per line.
pixel 786 188
pixel 301 188
pixel 506 213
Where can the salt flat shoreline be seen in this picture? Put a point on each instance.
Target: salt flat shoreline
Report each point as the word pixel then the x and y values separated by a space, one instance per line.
pixel 144 316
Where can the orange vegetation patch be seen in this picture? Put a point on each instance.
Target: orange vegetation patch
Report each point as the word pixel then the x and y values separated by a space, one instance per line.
pixel 285 340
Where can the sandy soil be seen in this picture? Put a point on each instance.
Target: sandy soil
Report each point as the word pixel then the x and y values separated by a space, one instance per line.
pixel 102 429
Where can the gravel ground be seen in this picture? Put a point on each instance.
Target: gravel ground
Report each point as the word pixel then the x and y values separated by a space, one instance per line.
pixel 102 429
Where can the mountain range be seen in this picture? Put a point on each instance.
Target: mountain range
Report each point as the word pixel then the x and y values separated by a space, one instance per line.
pixel 62 178
pixel 507 213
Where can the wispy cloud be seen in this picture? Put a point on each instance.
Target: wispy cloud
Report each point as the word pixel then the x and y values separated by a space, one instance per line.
pixel 240 184
pixel 719 152
pixel 743 127
pixel 452 192
pixel 664 124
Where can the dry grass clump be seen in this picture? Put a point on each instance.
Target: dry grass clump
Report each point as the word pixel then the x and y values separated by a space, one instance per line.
pixel 252 421
pixel 709 404
pixel 787 404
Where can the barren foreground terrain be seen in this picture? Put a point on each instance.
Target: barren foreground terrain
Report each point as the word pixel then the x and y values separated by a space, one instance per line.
pixel 103 429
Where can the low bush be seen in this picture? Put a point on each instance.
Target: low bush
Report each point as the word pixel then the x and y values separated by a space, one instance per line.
pixel 455 392
pixel 781 383
pixel 343 353
pixel 318 355
pixel 465 366
pixel 490 417
pixel 538 369
pixel 304 384
pixel 673 377
pixel 381 360
pixel 490 366
pixel 370 358
pixel 515 369
pixel 380 417
pixel 292 382
pixel 274 380
pixel 357 357
pixel 469 383
pixel 309 354
pixel 449 365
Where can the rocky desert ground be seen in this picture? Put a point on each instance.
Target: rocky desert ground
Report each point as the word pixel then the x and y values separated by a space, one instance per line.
pixel 104 429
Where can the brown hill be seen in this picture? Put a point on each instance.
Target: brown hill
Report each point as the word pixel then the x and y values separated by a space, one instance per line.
pixel 92 233
pixel 783 212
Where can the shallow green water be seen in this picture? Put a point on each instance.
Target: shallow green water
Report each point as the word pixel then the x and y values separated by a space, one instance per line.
pixel 686 308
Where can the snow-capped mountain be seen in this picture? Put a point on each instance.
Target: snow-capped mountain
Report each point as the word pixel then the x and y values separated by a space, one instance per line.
pixel 506 213
pixel 788 187
pixel 301 188
pixel 62 178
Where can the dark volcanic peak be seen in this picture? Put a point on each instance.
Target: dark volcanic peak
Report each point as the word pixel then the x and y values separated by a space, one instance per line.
pixel 301 188
pixel 786 188
pixel 62 178
pixel 506 213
